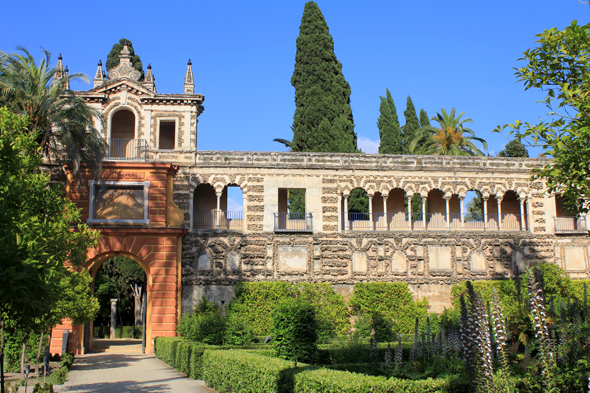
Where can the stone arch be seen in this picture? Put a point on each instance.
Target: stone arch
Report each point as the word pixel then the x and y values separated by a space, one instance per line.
pixel 157 251
pixel 118 108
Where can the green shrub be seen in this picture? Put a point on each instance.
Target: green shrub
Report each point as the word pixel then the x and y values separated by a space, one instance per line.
pixel 237 331
pixel 183 356
pixel 367 324
pixel 165 349
pixel 245 372
pixel 330 308
pixel 204 324
pixel 256 302
pixel 391 301
pixel 120 331
pixel 334 381
pixel 46 388
pixel 295 331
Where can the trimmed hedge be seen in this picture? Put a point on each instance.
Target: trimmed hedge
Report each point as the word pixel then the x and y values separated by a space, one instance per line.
pixel 227 369
pixel 334 381
pixel 246 372
pixel 256 302
pixel 391 300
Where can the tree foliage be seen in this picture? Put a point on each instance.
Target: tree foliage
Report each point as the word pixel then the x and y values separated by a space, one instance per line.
pixel 560 66
pixel 36 240
pixel 451 138
pixel 392 301
pixel 390 133
pixel 514 148
pixel 62 122
pixel 295 330
pixel 113 56
pixel 424 119
pixel 323 116
pixel 120 278
pixel 411 129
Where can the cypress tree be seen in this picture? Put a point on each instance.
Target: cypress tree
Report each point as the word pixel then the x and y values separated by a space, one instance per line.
pixel 424 120
pixel 390 133
pixel 323 117
pixel 113 56
pixel 514 148
pixel 412 127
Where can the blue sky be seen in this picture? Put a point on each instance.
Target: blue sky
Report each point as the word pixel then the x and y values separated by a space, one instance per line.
pixel 443 54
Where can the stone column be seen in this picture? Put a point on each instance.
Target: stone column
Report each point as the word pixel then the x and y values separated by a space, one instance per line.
pixel 191 210
pixel 339 212
pixel 448 215
pixel 371 220
pixel 244 210
pixel 499 199
pixel 522 222
pixel 385 213
pixel 113 318
pixel 409 213
pixel 424 211
pixel 345 212
pixel 485 212
pixel 218 215
pixel 461 199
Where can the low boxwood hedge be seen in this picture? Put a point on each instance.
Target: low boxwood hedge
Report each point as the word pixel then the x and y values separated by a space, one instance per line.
pixel 324 380
pixel 244 371
pixel 228 369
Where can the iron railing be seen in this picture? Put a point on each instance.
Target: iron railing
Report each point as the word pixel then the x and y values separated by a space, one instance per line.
pixel 571 224
pixel 431 221
pixel 293 222
pixel 127 149
pixel 233 221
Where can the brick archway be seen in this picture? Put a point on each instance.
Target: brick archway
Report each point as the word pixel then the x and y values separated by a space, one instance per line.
pixel 158 252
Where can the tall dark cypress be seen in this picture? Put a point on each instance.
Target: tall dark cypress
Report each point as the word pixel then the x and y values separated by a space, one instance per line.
pixel 323 117
pixel 412 127
pixel 390 133
pixel 113 56
pixel 424 120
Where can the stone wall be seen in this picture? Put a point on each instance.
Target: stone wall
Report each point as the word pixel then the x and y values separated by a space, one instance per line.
pixel 430 262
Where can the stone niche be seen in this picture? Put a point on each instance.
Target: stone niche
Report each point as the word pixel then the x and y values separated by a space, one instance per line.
pixel 203 261
pixel 233 261
pixel 292 258
pixel 518 260
pixel 399 265
pixel 574 258
pixel 477 263
pixel 439 258
pixel 359 262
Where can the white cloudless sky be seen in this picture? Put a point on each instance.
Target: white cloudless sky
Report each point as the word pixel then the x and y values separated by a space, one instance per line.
pixel 443 54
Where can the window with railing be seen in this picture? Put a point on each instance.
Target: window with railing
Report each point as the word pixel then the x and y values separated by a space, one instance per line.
pixel 218 220
pixel 571 224
pixel 293 222
pixel 127 149
pixel 432 221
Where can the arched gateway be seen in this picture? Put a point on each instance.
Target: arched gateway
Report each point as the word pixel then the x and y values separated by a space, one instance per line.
pixel 133 210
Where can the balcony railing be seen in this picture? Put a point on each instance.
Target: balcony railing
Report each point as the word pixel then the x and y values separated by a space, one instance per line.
pixel 232 221
pixel 431 221
pixel 127 149
pixel 571 224
pixel 293 222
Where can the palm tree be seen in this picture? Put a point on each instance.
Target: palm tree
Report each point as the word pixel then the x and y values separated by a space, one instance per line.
pixel 452 138
pixel 61 120
pixel 285 142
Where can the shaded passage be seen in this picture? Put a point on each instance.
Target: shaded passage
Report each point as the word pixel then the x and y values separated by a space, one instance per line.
pixel 126 373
